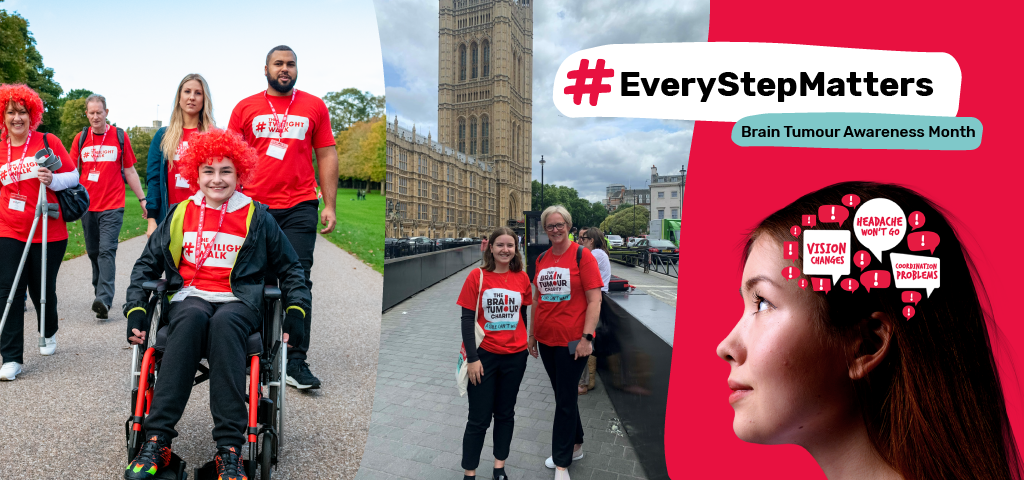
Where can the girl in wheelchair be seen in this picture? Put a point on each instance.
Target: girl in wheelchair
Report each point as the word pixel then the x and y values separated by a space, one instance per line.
pixel 214 249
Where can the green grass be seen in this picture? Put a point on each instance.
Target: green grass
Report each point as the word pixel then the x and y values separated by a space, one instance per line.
pixel 132 226
pixel 360 229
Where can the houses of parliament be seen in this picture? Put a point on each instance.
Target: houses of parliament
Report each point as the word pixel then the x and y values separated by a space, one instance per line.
pixel 475 176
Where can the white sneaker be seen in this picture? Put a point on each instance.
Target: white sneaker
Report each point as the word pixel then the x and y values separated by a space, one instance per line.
pixel 576 455
pixel 561 474
pixel 9 371
pixel 51 345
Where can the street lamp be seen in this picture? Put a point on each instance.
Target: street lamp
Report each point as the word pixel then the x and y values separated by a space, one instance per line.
pixel 542 162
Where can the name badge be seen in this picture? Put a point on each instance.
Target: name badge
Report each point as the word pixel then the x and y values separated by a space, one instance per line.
pixel 180 182
pixel 17 203
pixel 182 294
pixel 277 149
pixel 94 176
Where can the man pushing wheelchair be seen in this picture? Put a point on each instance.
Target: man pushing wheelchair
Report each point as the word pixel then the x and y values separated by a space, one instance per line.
pixel 214 250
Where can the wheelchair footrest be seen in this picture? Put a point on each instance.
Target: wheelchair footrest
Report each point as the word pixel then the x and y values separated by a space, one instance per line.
pixel 176 470
pixel 209 471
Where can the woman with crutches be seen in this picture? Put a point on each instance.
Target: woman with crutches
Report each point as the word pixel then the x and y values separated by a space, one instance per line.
pixel 21 179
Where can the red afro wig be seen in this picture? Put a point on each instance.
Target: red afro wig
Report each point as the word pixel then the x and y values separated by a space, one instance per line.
pixel 204 147
pixel 27 98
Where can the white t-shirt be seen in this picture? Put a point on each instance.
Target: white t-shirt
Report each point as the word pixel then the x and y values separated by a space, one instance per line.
pixel 604 265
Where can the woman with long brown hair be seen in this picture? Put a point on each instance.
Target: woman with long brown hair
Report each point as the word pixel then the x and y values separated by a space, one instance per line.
pixel 192 113
pixel 868 393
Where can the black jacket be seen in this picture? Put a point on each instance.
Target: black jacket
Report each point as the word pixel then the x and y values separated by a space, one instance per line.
pixel 265 249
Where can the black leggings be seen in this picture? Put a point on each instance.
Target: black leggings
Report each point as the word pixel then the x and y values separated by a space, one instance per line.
pixel 564 372
pixel 12 339
pixel 495 395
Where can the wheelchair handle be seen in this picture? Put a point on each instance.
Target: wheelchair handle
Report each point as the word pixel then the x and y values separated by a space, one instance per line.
pixel 271 292
pixel 158 286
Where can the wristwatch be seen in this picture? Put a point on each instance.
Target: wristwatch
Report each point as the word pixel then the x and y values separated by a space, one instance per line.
pixel 589 337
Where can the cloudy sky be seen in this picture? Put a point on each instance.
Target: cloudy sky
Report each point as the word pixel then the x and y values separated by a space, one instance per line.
pixel 586 154
pixel 135 53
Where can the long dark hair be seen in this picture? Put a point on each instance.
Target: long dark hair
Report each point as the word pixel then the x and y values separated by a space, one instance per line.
pixel 935 408
pixel 514 265
pixel 597 236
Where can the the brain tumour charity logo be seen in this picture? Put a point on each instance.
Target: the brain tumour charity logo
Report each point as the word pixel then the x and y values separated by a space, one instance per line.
pixel 596 85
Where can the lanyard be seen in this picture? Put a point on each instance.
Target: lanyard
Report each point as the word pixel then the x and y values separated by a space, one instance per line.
pixel 205 254
pixel 280 122
pixel 10 167
pixel 103 140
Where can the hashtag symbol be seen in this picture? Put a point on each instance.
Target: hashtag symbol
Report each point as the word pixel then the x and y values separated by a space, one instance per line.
pixel 260 127
pixel 595 87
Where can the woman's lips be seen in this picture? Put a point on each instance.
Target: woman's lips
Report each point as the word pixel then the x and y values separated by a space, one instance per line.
pixel 739 391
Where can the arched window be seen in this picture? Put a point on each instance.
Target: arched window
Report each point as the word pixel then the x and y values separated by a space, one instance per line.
pixel 462 63
pixel 485 133
pixel 476 60
pixel 486 59
pixel 462 135
pixel 472 135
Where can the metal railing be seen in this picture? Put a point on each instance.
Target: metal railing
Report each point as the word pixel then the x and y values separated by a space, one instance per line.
pixel 663 263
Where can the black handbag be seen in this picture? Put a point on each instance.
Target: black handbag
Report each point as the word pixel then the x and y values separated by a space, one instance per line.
pixel 74 201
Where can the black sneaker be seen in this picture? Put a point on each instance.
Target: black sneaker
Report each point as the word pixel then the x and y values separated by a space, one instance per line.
pixel 154 455
pixel 299 375
pixel 229 464
pixel 100 309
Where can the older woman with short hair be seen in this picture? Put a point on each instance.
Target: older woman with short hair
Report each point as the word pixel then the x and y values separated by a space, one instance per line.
pixel 567 299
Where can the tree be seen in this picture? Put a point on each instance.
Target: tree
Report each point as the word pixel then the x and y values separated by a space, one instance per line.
pixel 20 62
pixel 628 221
pixel 584 213
pixel 140 140
pixel 374 150
pixel 352 105
pixel 72 121
pixel 361 149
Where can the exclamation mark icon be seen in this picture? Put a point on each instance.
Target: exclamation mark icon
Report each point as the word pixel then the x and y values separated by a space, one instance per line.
pixel 790 249
pixel 911 296
pixel 862 259
pixel 876 279
pixel 915 220
pixel 821 284
pixel 833 213
pixel 922 239
pixel 789 271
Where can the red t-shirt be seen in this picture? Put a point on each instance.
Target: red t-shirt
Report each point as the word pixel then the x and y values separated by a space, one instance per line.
pixel 101 168
pixel 21 183
pixel 500 313
pixel 287 181
pixel 562 286
pixel 214 275
pixel 179 189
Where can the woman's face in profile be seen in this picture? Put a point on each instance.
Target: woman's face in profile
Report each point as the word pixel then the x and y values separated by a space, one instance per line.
pixel 787 385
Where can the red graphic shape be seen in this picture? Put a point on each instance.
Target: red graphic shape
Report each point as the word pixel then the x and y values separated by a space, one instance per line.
pixel 595 87
pixel 795 230
pixel 803 283
pixel 506 309
pixel 790 273
pixel 876 279
pixel 915 220
pixel 918 241
pixel 911 296
pixel 849 284
pixel 851 201
pixel 260 127
pixel 908 312
pixel 821 284
pixel 862 259
pixel 833 214
pixel 790 250
pixel 808 220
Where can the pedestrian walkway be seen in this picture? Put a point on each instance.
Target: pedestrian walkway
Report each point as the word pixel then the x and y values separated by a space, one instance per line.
pixel 418 417
pixel 64 416
pixel 657 285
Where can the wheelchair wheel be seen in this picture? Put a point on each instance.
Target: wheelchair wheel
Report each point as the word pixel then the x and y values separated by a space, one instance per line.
pixel 277 385
pixel 266 456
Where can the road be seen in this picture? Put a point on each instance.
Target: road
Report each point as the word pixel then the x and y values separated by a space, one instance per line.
pixel 657 285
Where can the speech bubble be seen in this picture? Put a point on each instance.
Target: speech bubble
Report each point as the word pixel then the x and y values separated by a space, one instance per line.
pixel 833 214
pixel 850 285
pixel 803 283
pixel 827 252
pixel 911 297
pixel 880 225
pixel 916 271
pixel 908 312
pixel 851 201
pixel 790 273
pixel 808 221
pixel 923 241
pixel 875 279
pixel 862 259
pixel 795 230
pixel 915 220
pixel 821 284
pixel 790 250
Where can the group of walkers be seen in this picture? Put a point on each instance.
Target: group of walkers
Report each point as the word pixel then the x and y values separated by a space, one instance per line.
pixel 566 298
pixel 246 193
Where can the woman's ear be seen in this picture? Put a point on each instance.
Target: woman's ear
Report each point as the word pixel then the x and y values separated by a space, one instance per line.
pixel 871 345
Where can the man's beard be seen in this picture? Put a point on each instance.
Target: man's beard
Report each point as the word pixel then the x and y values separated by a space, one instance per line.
pixel 276 85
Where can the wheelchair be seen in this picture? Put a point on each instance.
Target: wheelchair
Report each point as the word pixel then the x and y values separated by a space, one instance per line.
pixel 266 364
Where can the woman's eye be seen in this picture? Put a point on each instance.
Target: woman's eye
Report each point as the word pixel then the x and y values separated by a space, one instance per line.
pixel 762 305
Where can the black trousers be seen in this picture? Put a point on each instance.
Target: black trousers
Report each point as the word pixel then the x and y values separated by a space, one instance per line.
pixel 494 396
pixel 219 330
pixel 564 372
pixel 100 230
pixel 299 226
pixel 12 339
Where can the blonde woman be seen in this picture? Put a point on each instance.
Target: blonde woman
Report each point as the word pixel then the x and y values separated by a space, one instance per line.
pixel 193 112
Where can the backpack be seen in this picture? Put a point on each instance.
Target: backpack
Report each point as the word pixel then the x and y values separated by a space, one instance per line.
pixel 120 141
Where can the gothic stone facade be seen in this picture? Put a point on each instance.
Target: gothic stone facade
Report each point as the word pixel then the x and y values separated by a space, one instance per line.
pixel 484 116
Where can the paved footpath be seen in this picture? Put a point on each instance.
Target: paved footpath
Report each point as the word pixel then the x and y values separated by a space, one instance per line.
pixel 418 417
pixel 64 416
pixel 658 285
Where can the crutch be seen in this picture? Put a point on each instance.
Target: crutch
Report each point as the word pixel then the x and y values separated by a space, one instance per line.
pixel 45 159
